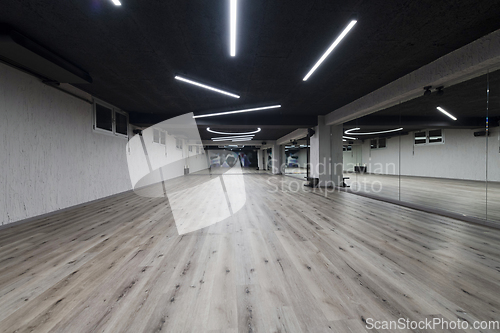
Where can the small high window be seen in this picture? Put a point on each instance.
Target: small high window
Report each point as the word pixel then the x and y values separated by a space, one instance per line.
pixel 103 117
pixel 108 119
pixel 429 137
pixel 378 143
pixel 178 143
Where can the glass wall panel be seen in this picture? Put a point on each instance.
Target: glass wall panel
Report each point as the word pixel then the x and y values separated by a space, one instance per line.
pixel 440 151
pixel 493 171
pixel 443 161
pixel 373 162
pixel 295 159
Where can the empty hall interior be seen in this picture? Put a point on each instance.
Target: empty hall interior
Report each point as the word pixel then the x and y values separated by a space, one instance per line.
pixel 249 166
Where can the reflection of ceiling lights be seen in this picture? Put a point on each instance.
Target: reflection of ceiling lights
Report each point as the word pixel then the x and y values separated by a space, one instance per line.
pixel 330 49
pixel 180 78
pixel 237 111
pixel 446 113
pixel 232 23
pixel 349 131
pixel 228 133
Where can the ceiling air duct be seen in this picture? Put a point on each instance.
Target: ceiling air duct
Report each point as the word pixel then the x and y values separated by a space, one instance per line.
pixel 24 53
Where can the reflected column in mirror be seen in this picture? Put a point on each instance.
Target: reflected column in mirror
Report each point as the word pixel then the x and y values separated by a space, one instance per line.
pixel 295 158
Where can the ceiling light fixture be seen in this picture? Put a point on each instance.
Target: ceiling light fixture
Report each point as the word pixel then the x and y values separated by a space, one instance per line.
pixel 330 49
pixel 180 78
pixel 233 140
pixel 349 131
pixel 236 140
pixel 117 2
pixel 229 133
pixel 237 111
pixel 348 137
pixel 446 113
pixel 427 90
pixel 234 137
pixel 233 11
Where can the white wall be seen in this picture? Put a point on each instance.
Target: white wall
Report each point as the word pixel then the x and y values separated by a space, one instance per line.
pixel 50 158
pixel 352 158
pixel 462 156
pixel 302 160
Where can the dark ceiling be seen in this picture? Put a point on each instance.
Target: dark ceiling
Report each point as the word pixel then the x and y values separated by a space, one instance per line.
pixel 134 51
pixel 470 102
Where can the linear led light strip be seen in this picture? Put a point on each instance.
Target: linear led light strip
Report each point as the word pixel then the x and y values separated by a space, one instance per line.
pixel 232 42
pixel 180 78
pixel 330 49
pixel 446 113
pixel 237 111
pixel 117 2
pixel 231 139
pixel 348 137
pixel 349 131
pixel 234 137
pixel 237 134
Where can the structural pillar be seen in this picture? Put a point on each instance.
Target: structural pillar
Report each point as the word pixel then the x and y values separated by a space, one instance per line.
pixel 260 159
pixel 326 154
pixel 277 159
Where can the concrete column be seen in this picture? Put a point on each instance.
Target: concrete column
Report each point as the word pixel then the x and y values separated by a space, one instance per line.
pixel 326 154
pixel 265 158
pixel 277 159
pixel 260 159
pixel 337 156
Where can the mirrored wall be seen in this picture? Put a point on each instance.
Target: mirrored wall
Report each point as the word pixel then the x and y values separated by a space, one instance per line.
pixel 440 150
pixel 295 159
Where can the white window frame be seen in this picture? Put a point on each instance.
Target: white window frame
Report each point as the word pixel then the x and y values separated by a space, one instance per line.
pixel 177 145
pixel 114 110
pixel 160 133
pixel 427 138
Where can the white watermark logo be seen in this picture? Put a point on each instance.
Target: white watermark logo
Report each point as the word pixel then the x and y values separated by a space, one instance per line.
pixel 203 187
pixel 429 324
pixel 330 177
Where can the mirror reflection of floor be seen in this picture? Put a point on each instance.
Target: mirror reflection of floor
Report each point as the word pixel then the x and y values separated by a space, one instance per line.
pixel 299 173
pixel 458 196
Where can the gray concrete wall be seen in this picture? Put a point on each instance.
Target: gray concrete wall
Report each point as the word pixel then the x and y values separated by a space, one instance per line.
pixel 50 158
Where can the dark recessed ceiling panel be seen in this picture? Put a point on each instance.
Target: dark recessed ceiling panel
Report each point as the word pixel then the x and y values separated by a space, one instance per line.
pixel 134 51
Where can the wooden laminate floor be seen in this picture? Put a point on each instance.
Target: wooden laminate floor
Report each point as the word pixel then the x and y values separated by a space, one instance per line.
pixel 289 261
